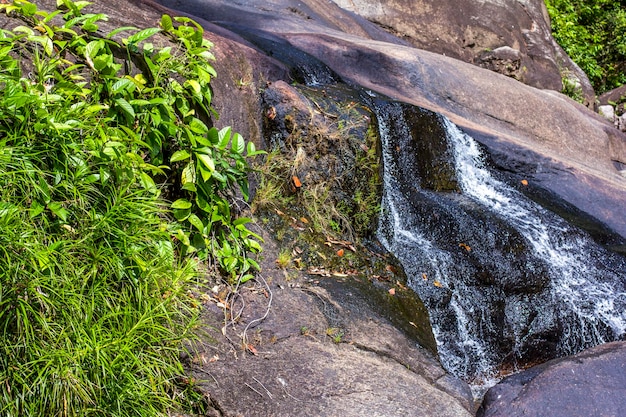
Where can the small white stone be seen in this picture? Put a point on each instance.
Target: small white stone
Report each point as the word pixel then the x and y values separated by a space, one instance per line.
pixel 608 112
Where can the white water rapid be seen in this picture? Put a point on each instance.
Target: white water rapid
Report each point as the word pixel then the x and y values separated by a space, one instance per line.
pixel 581 304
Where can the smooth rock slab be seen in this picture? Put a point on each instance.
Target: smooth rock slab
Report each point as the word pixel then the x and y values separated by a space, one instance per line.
pixel 591 383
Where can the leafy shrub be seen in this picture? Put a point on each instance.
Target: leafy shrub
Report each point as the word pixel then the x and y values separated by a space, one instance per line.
pixel 592 34
pixel 95 264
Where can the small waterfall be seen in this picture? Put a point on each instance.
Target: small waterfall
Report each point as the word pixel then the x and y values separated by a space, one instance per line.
pixel 506 281
pixel 592 295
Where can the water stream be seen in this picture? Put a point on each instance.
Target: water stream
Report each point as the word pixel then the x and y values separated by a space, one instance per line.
pixel 507 282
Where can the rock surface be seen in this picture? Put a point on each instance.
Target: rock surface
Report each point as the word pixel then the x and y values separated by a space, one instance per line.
pixel 320 350
pixel 512 38
pixel 591 383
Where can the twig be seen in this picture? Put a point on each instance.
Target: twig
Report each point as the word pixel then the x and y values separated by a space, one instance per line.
pixel 249 386
pixel 267 311
pixel 209 374
pixel 269 394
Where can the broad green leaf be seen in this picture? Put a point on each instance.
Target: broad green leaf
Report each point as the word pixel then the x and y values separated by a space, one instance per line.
pixel 121 85
pixel 181 214
pixel 196 222
pixel 142 35
pixel 58 209
pixel 204 173
pixel 139 102
pixel 251 150
pixel 91 50
pixel 147 182
pixel 182 204
pixel 158 100
pixel 24 29
pixel 166 23
pixel 180 156
pixel 198 126
pixel 126 107
pixel 29 9
pixel 241 220
pixel 239 145
pixel 253 245
pixel 121 29
pixel 224 137
pixel 36 209
pixel 207 161
pixel 189 174
pixel 189 186
pixel 204 74
pixel 45 42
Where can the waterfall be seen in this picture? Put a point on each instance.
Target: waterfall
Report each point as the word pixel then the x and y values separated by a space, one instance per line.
pixel 506 282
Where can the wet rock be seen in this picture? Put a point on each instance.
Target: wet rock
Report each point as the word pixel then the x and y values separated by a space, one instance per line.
pixel 591 383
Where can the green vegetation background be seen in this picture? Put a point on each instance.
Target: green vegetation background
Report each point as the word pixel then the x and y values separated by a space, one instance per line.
pixel 113 185
pixel 593 33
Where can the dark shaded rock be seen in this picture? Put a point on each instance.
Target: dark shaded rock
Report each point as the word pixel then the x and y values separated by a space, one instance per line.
pixel 591 383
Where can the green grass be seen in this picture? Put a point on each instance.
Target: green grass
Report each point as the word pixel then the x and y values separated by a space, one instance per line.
pixel 95 261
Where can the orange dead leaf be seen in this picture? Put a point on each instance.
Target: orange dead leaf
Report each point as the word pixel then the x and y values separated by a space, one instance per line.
pixel 437 284
pixel 304 220
pixel 340 252
pixel 250 348
pixel 392 291
pixel 524 182
pixel 391 268
pixel 296 182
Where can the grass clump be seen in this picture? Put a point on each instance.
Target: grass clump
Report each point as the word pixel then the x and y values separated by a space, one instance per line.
pixel 95 264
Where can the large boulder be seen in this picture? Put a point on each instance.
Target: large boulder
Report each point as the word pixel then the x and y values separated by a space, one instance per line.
pixel 591 383
pixel 512 38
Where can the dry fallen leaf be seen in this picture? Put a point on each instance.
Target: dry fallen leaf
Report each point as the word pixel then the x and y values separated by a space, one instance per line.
pixel 296 182
pixel 465 246
pixel 340 252
pixel 392 291
pixel 524 182
pixel 250 348
pixel 437 284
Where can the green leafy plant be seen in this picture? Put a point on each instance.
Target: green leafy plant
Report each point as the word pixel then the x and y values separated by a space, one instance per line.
pixel 592 34
pixel 98 134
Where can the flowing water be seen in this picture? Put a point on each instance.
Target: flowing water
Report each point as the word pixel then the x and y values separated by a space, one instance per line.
pixel 506 281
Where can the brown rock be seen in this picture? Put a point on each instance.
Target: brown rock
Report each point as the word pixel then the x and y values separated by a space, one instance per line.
pixel 474 30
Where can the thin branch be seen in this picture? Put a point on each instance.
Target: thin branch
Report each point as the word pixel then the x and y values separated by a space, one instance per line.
pixel 267 311
pixel 269 394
